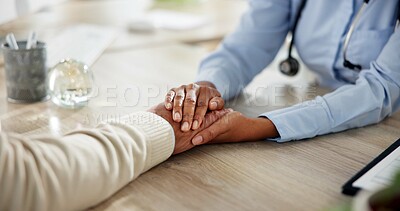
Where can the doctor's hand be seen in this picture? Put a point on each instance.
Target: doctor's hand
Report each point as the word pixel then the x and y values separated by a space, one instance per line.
pixel 190 103
pixel 235 127
pixel 183 140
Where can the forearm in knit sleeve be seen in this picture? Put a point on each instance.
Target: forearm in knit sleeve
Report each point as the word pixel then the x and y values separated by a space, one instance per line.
pixel 82 168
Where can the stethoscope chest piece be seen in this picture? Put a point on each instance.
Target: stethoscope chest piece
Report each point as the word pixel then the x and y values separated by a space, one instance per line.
pixel 289 66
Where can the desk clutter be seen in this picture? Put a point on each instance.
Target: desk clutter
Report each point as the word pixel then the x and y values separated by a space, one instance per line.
pixel 68 82
pixel 25 69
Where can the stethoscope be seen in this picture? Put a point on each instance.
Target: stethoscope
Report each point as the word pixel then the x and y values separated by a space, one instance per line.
pixel 290 66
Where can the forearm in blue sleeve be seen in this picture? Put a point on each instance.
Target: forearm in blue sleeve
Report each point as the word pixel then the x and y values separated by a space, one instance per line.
pixel 249 49
pixel 375 96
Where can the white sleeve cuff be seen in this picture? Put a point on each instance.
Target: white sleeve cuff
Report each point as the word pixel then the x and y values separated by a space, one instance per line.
pixel 159 136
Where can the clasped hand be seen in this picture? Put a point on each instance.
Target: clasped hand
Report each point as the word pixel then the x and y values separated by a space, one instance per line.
pixel 199 108
pixel 190 103
pixel 183 140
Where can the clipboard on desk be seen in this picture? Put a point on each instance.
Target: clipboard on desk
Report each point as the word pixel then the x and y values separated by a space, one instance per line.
pixel 377 174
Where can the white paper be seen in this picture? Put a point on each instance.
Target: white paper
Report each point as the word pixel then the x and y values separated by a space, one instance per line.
pixel 382 174
pixel 175 20
pixel 83 42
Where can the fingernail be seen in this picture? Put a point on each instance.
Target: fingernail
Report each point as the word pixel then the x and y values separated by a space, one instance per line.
pixel 195 124
pixel 213 104
pixel 169 106
pixel 185 126
pixel 197 140
pixel 177 116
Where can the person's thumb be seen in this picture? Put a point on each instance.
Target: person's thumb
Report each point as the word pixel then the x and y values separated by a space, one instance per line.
pixel 208 134
pixel 213 127
pixel 211 130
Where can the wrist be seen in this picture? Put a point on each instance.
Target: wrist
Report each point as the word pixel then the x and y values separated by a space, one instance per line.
pixel 264 128
pixel 155 131
pixel 206 83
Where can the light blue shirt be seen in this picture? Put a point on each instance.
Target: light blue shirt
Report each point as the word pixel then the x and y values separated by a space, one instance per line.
pixel 367 98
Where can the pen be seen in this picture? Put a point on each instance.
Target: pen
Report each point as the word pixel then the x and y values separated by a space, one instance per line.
pixel 32 40
pixel 10 38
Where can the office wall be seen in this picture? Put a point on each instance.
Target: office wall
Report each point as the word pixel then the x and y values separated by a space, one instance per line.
pixel 7 10
pixel 35 5
pixel 11 9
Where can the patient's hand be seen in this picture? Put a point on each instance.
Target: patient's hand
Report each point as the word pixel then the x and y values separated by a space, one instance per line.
pixel 190 103
pixel 183 140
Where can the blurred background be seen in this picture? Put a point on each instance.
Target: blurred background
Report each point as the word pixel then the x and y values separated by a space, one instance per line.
pixel 137 23
pixel 206 21
pixel 159 42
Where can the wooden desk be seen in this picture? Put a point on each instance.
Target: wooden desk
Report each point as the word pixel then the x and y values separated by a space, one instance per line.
pixel 300 175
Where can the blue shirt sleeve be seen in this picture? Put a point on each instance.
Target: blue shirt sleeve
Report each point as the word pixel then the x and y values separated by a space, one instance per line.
pixel 245 52
pixel 374 96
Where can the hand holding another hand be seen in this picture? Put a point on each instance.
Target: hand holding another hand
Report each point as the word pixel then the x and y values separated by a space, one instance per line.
pixel 183 140
pixel 190 103
pixel 235 127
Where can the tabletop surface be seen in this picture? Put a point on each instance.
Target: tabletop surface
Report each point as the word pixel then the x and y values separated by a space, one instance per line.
pixel 262 175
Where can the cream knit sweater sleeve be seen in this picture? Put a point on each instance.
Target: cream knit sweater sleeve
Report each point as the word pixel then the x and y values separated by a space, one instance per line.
pixel 82 168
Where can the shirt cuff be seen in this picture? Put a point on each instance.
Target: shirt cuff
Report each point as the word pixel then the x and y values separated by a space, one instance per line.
pixel 301 121
pixel 159 136
pixel 211 75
